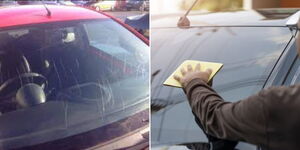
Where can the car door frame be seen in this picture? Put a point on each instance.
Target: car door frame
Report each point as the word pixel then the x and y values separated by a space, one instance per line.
pixel 283 67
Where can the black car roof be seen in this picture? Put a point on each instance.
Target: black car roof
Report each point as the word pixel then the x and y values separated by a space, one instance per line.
pixel 248 51
pixel 259 17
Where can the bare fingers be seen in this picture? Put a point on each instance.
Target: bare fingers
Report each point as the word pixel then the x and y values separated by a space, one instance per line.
pixel 176 77
pixel 208 71
pixel 189 68
pixel 198 67
pixel 183 72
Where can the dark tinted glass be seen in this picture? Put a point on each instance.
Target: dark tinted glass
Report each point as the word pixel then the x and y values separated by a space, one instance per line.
pixel 248 55
pixel 69 78
pixel 294 75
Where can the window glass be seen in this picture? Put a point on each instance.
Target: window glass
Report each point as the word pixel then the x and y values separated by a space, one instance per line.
pixel 68 77
pixel 294 74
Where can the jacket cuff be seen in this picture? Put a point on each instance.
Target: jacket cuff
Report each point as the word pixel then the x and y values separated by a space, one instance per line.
pixel 188 88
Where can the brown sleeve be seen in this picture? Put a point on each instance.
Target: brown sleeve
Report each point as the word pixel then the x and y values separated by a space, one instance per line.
pixel 241 121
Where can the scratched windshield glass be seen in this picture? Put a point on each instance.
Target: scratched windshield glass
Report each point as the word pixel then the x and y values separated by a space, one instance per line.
pixel 68 77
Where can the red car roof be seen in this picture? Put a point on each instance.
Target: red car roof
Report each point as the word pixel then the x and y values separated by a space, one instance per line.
pixel 32 14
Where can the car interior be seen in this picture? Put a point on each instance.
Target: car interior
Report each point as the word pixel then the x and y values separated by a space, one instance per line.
pixel 56 59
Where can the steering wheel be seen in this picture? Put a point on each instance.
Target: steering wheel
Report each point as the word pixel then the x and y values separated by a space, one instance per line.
pixel 12 85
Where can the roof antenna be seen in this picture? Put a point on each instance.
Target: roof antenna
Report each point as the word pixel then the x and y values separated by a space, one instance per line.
pixel 48 11
pixel 183 21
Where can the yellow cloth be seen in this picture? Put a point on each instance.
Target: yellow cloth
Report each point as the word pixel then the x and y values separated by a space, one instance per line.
pixel 204 65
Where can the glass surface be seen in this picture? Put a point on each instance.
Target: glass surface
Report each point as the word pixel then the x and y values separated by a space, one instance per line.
pixel 294 75
pixel 84 74
pixel 248 55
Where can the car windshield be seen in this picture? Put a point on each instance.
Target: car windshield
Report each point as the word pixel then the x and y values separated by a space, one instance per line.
pixel 64 78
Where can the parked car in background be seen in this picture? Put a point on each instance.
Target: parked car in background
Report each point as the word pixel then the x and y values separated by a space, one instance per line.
pixel 66 2
pixel 35 2
pixel 120 5
pixel 88 4
pixel 104 5
pixel 145 6
pixel 71 78
pixel 139 23
pixel 257 52
pixel 27 2
pixel 48 2
pixel 7 3
pixel 137 5
pixel 80 2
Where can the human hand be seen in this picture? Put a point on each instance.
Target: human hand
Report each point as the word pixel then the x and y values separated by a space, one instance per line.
pixel 190 74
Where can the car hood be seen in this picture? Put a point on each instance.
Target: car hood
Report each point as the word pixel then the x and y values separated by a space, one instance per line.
pixel 260 17
pixel 92 134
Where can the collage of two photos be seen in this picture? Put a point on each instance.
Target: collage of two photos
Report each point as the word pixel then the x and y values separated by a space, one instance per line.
pixel 74 75
pixel 246 98
pixel 149 74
